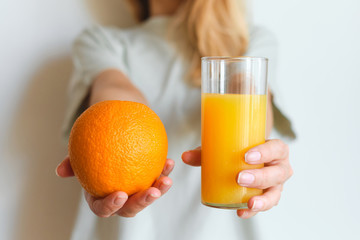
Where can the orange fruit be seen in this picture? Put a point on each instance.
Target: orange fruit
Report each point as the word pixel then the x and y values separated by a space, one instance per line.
pixel 117 146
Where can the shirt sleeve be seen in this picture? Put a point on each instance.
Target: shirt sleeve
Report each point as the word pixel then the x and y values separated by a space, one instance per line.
pixel 264 44
pixel 94 51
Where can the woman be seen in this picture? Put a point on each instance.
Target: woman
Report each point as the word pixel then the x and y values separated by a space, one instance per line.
pixel 158 63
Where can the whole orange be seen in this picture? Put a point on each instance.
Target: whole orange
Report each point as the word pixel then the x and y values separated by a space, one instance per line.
pixel 117 146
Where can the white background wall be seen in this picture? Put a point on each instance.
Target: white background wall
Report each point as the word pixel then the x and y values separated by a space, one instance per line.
pixel 318 76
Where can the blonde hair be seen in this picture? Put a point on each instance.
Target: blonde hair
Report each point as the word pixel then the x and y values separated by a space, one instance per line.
pixel 210 28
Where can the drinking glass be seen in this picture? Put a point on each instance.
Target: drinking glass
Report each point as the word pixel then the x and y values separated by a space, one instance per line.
pixel 233 120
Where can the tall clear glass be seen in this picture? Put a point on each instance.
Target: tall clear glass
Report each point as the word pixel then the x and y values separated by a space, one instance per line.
pixel 233 120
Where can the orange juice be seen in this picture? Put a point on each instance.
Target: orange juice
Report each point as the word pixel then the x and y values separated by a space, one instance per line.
pixel 231 125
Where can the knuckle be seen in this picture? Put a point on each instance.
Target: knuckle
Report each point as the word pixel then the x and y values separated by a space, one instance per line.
pixel 278 141
pixel 142 205
pixel 274 148
pixel 280 147
pixel 131 212
pixel 260 178
pixel 287 153
pixel 93 210
pixel 278 181
pixel 96 209
pixel 287 148
pixel 139 205
pixel 87 197
pixel 284 146
pixel 291 172
pixel 92 207
pixel 101 210
pixel 107 210
pixel 283 176
pixel 278 199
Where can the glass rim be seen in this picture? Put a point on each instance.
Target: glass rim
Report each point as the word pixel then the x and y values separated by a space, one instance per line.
pixel 235 59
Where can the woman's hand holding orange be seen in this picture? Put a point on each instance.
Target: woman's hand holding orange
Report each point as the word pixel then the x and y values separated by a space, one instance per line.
pixel 119 203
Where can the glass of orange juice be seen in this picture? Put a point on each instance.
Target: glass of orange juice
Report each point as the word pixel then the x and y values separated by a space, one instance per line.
pixel 233 120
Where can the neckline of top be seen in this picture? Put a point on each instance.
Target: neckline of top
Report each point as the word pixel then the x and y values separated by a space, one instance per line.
pixel 156 24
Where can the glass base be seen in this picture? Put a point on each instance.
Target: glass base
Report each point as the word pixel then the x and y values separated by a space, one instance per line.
pixel 227 206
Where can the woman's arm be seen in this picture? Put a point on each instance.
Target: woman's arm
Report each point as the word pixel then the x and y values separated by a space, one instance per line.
pixel 114 85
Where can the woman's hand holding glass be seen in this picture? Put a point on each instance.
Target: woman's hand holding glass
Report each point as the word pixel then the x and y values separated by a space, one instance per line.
pixel 119 203
pixel 277 170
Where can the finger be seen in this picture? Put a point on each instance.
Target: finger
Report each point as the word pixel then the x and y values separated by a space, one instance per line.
pixel 139 201
pixel 269 199
pixel 64 168
pixel 267 152
pixel 192 157
pixel 105 207
pixel 264 177
pixel 163 184
pixel 169 166
pixel 245 213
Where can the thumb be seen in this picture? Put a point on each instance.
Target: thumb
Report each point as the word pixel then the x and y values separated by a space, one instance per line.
pixel 192 157
pixel 64 168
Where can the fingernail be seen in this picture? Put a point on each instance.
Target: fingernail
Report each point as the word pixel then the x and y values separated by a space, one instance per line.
pixel 150 197
pixel 165 185
pixel 155 195
pixel 252 157
pixel 56 170
pixel 245 178
pixel 167 182
pixel 119 200
pixel 258 205
pixel 243 214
